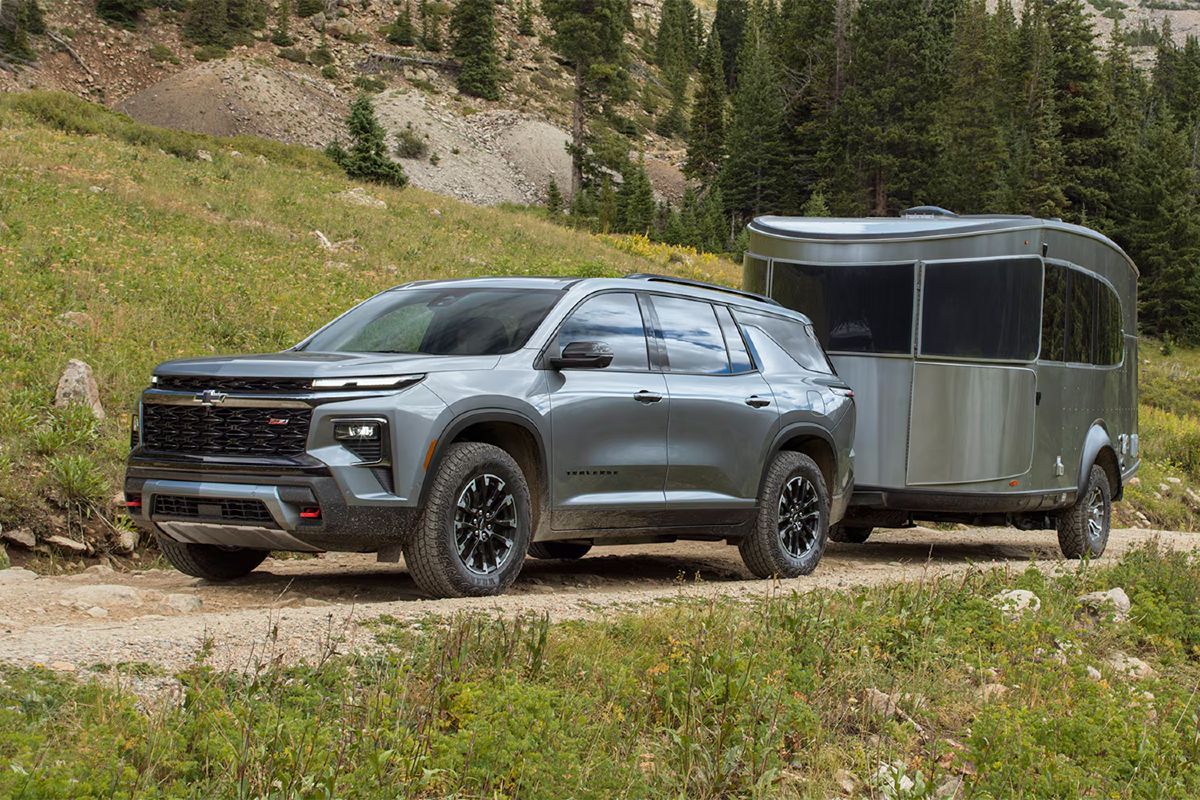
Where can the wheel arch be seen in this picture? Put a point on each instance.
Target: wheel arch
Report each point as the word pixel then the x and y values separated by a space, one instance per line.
pixel 814 442
pixel 1098 450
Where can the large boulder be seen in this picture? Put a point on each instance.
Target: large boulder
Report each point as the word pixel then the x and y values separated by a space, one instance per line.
pixel 1016 603
pixel 77 385
pixel 1099 605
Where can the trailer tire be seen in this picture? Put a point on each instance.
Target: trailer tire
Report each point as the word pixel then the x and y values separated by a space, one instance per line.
pixel 562 551
pixel 850 534
pixel 1083 528
pixel 792 525
pixel 208 561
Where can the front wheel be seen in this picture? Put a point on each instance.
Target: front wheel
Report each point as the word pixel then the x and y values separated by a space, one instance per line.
pixel 208 561
pixel 789 533
pixel 1083 528
pixel 472 535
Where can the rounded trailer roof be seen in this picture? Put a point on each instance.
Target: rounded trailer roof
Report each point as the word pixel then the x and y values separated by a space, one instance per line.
pixel 914 227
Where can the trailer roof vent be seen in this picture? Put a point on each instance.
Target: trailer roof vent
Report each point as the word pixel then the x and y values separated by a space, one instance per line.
pixel 927 212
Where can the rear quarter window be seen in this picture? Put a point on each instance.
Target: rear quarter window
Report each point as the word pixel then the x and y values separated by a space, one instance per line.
pixel 794 338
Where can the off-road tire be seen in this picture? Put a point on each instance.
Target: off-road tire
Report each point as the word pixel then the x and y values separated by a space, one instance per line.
pixel 1076 537
pixel 431 552
pixel 562 551
pixel 850 534
pixel 208 561
pixel 761 548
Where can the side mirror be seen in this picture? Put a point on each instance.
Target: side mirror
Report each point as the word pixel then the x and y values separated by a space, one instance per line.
pixel 583 355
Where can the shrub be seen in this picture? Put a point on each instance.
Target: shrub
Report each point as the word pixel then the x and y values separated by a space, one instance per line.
pixel 306 8
pixel 329 71
pixel 369 84
pixel 210 52
pixel 293 54
pixel 367 157
pixel 122 13
pixel 320 57
pixel 77 480
pixel 401 32
pixel 160 52
pixel 409 143
pixel 68 427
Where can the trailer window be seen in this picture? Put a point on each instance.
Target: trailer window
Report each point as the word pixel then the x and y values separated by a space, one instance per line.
pixel 754 274
pixel 856 309
pixel 982 309
pixel 1054 313
pixel 1093 321
pixel 1109 341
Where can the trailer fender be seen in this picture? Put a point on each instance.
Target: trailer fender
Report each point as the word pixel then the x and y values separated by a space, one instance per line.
pixel 1098 449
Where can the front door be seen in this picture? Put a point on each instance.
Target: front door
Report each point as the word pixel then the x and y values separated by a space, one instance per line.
pixel 723 413
pixel 609 425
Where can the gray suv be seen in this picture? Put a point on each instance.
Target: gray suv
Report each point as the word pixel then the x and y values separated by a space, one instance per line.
pixel 466 424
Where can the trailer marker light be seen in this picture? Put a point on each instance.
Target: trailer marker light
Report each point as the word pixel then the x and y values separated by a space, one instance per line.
pixel 310 513
pixel 1014 483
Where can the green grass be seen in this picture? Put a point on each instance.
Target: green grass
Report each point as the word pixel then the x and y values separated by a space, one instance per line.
pixel 722 699
pixel 172 256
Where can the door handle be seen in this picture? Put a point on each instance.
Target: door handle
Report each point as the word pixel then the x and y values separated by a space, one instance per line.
pixel 647 397
pixel 754 401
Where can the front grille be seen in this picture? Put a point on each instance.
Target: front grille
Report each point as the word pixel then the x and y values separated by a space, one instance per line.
pixel 198 383
pixel 225 431
pixel 223 509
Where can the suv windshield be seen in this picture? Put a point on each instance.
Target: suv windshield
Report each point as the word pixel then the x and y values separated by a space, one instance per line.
pixel 439 322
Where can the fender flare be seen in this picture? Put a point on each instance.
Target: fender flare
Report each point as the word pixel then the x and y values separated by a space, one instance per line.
pixel 791 431
pixel 469 418
pixel 1094 443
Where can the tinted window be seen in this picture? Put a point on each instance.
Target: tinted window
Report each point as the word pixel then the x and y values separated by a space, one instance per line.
pixel 739 357
pixel 614 319
pixel 797 340
pixel 1109 342
pixel 982 309
pixel 1081 309
pixel 754 275
pixel 433 321
pixel 692 335
pixel 862 309
pixel 1054 313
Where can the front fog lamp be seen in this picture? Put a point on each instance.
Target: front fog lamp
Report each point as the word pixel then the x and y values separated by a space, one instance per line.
pixel 363 438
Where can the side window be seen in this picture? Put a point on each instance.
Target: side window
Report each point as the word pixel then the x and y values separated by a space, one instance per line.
pixel 739 358
pixel 1054 313
pixel 1081 313
pixel 692 335
pixel 982 309
pixel 1110 345
pixel 614 319
pixel 797 340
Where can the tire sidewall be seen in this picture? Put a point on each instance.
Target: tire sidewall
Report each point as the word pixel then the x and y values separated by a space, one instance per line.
pixel 514 481
pixel 788 565
pixel 1098 479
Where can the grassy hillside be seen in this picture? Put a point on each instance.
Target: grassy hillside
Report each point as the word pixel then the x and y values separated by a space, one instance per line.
pixel 166 254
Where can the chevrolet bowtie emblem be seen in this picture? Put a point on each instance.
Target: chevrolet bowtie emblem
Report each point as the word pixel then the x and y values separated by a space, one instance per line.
pixel 210 397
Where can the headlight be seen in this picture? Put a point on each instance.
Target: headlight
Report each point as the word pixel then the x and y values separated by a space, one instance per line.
pixel 135 427
pixel 363 437
pixel 370 382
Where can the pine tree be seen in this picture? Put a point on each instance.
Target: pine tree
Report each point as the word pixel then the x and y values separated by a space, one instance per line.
pixel 122 13
pixel 402 33
pixel 674 57
pixel 282 36
pixel 608 212
pixel 367 157
pixel 205 23
pixel 730 22
pixel 815 206
pixel 635 200
pixel 431 25
pixel 1037 156
pixel 243 17
pixel 18 20
pixel 473 28
pixel 525 18
pixel 754 178
pixel 554 199
pixel 590 36
pixel 706 134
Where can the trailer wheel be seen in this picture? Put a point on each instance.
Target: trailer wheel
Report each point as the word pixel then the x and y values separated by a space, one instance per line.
pixel 1083 528
pixel 562 551
pixel 792 525
pixel 850 534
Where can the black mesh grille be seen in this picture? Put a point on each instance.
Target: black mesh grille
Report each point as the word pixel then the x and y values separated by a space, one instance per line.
pixel 368 451
pixel 224 509
pixel 198 383
pixel 233 431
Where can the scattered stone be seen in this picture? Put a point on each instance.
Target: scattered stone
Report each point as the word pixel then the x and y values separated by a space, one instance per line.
pixel 1164 489
pixel 234 154
pixel 1015 603
pixel 846 782
pixel 949 788
pixel 76 319
pixel 125 541
pixel 61 666
pixel 184 603
pixel 1175 481
pixel 314 602
pixel 893 781
pixel 98 569
pixel 103 594
pixel 96 189
pixel 993 691
pixel 16 575
pixel 1134 481
pixel 888 705
pixel 97 612
pixel 358 196
pixel 1094 673
pixel 68 544
pixel 435 212
pixel 78 385
pixel 1129 666
pixel 1101 604
pixel 21 536
pixel 204 155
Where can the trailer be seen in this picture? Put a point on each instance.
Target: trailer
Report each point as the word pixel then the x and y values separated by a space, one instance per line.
pixel 993 361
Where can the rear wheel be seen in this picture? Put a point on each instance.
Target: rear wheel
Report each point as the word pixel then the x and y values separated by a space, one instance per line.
pixel 563 551
pixel 850 534
pixel 473 533
pixel 1083 528
pixel 208 561
pixel 790 531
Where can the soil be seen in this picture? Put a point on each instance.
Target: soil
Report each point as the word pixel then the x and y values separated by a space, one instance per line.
pixel 306 609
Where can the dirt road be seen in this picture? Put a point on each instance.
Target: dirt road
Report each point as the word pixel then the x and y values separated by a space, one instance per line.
pixel 299 609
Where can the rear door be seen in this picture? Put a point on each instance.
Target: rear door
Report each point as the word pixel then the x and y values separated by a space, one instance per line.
pixel 608 426
pixel 723 413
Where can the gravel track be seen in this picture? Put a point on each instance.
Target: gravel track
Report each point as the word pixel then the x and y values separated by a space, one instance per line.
pixel 304 609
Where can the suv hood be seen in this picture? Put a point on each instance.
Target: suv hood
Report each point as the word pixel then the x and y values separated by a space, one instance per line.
pixel 297 364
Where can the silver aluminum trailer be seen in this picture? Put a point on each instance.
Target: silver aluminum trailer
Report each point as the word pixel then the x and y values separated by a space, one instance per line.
pixel 993 360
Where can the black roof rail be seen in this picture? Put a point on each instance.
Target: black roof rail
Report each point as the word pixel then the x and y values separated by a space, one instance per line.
pixel 716 287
